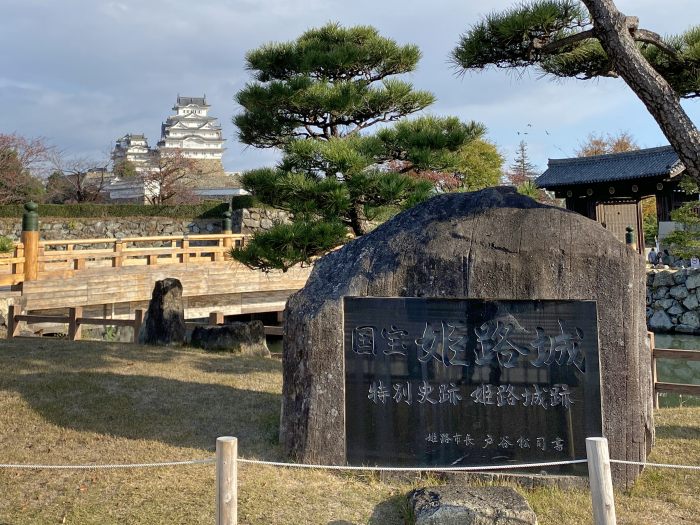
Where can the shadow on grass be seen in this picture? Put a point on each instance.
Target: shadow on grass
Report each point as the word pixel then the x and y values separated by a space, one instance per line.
pixel 677 432
pixel 236 364
pixel 94 354
pixel 179 413
pixel 31 353
pixel 391 511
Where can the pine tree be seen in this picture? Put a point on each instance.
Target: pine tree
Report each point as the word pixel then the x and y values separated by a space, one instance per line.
pixel 589 39
pixel 522 170
pixel 316 99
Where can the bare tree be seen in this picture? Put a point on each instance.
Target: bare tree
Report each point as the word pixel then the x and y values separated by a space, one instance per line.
pixel 77 179
pixel 171 177
pixel 22 162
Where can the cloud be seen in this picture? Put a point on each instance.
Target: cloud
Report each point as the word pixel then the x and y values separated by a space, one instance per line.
pixel 82 73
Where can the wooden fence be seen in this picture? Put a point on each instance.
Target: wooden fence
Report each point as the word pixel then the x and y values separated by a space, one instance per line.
pixel 671 353
pixel 76 321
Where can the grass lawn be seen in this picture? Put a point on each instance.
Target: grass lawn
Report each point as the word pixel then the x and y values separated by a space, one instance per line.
pixel 75 403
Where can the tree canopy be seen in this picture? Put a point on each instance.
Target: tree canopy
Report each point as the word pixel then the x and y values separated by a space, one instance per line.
pixel 316 98
pixel 330 82
pixel 589 39
pixel 604 144
pixel 22 161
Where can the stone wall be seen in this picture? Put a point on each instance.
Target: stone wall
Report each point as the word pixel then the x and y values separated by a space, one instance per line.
pixel 254 219
pixel 673 300
pixel 244 221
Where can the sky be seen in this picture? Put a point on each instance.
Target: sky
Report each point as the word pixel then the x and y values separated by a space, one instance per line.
pixel 82 73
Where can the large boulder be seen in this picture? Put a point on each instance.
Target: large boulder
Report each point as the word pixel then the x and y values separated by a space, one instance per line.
pixel 164 323
pixel 494 243
pixel 240 338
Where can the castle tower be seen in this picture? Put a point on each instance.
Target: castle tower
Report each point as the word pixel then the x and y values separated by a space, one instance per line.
pixel 133 148
pixel 192 131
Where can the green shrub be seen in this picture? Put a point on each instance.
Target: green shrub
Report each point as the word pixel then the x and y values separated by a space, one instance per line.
pixel 246 201
pixel 6 244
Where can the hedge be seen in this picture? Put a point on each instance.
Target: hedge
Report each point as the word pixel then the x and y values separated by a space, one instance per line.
pixel 204 210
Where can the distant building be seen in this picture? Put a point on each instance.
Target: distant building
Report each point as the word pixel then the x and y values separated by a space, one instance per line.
pixel 609 188
pixel 192 131
pixel 133 148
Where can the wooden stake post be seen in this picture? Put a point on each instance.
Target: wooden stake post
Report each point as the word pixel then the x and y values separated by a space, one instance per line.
pixel 226 481
pixel 30 240
pixel 600 479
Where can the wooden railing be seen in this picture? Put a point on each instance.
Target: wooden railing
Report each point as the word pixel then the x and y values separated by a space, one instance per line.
pixel 12 266
pixel 63 258
pixel 671 388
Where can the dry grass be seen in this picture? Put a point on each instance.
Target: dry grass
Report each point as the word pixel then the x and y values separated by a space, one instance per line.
pixel 87 402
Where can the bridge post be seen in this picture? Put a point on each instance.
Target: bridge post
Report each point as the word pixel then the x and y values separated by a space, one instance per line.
pixel 30 240
pixel 74 327
pixel 117 258
pixel 227 229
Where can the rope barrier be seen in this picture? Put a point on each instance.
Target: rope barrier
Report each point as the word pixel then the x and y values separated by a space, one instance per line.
pixel 474 468
pixel 96 467
pixel 412 469
pixel 659 465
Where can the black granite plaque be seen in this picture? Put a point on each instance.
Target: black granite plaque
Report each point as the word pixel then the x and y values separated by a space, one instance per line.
pixel 450 382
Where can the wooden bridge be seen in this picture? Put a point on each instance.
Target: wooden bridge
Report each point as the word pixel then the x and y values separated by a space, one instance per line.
pixel 94 281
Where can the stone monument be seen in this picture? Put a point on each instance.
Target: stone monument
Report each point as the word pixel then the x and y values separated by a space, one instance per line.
pixel 491 244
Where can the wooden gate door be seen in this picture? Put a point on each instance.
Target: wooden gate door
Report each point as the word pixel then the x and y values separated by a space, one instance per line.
pixel 615 216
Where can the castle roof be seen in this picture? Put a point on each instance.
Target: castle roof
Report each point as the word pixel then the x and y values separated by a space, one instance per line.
pixel 187 101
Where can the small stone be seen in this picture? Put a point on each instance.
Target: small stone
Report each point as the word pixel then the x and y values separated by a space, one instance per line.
pixel 664 279
pixel 663 304
pixel 679 292
pixel 691 302
pixel 661 293
pixel 242 338
pixel 685 329
pixel 266 224
pixel 691 319
pixel 680 276
pixel 164 323
pixel 692 281
pixel 660 321
pixel 460 505
pixel 676 309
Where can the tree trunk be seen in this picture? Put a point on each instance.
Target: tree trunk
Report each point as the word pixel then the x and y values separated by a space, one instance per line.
pixel 358 219
pixel 657 95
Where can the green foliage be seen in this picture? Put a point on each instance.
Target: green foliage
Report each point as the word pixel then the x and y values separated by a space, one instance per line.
pixel 651 229
pixel 534 33
pixel 329 82
pixel 204 210
pixel 685 243
pixel 125 169
pixel 6 244
pixel 506 39
pixel 313 98
pixel 238 202
pixel 431 143
pixel 17 183
pixel 285 245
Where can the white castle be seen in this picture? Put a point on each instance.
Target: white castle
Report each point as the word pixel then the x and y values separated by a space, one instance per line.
pixel 133 148
pixel 191 131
